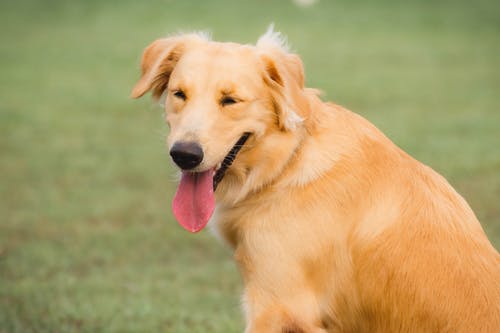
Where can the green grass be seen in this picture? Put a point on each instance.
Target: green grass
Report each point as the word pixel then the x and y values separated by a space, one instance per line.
pixel 87 239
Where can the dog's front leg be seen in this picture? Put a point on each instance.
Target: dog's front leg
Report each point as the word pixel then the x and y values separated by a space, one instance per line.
pixel 263 316
pixel 277 324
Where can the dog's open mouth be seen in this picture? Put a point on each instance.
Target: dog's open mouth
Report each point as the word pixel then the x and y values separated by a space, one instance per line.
pixel 229 159
pixel 194 201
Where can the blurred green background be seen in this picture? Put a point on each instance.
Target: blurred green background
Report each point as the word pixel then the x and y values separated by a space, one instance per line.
pixel 87 239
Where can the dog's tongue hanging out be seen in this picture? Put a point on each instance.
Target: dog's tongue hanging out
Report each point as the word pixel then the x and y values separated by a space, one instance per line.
pixel 194 201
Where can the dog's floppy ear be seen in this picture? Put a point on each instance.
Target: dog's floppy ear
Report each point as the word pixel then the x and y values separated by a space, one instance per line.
pixel 158 62
pixel 284 74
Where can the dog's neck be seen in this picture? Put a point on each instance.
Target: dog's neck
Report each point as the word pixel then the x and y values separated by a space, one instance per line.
pixel 280 161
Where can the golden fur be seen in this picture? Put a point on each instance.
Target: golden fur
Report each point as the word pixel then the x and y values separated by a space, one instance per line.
pixel 334 228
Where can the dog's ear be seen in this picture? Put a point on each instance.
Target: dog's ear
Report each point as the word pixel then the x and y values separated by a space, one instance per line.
pixel 284 74
pixel 158 62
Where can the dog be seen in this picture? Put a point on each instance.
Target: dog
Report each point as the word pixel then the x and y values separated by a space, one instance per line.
pixel 334 228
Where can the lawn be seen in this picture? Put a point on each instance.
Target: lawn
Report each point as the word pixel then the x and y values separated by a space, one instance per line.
pixel 87 239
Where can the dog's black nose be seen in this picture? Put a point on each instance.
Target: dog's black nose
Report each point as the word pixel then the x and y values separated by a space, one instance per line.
pixel 186 155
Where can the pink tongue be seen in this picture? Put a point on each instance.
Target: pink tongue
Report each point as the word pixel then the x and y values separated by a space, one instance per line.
pixel 194 201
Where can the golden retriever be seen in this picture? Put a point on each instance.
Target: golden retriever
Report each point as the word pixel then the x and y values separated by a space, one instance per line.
pixel 334 228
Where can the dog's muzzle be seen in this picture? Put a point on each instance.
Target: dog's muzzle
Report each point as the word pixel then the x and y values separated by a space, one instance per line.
pixel 188 155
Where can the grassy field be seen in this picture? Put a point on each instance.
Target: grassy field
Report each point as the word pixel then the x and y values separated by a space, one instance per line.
pixel 87 239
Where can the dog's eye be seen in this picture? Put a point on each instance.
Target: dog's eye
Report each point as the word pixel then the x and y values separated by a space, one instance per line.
pixel 227 100
pixel 180 94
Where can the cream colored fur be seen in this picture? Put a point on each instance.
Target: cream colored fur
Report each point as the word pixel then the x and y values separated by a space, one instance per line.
pixel 334 228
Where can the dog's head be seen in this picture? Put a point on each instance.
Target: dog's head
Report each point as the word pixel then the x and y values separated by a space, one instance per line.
pixel 234 113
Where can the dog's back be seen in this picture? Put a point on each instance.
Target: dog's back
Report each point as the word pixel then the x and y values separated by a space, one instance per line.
pixel 432 268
